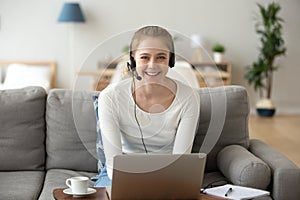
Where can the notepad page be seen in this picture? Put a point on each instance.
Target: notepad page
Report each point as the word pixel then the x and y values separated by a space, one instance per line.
pixel 237 192
pixel 108 191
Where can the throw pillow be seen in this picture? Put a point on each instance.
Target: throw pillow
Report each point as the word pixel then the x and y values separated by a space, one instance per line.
pixel 20 75
pixel 243 168
pixel 99 143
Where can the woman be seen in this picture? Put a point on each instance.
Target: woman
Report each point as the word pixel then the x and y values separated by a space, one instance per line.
pixel 148 113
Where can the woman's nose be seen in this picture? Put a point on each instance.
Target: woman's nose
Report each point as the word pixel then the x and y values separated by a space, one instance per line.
pixel 151 62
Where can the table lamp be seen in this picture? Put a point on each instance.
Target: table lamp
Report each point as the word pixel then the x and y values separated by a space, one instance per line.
pixel 71 12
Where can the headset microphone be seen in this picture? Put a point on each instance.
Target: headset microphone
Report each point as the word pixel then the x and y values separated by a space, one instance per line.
pixel 133 72
pixel 137 76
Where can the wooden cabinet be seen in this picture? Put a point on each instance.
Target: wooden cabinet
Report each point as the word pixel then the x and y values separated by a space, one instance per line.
pixel 209 74
pixel 102 77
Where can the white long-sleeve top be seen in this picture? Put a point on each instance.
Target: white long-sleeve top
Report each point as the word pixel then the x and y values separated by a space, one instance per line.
pixel 171 131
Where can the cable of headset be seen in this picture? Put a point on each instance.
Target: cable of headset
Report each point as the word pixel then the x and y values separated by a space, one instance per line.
pixel 135 116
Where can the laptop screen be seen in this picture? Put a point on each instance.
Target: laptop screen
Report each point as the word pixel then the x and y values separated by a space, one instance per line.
pixel 158 176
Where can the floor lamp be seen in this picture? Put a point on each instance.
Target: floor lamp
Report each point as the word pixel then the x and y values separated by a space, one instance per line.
pixel 71 13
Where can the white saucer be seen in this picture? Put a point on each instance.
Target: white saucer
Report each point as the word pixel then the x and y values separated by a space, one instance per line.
pixel 69 191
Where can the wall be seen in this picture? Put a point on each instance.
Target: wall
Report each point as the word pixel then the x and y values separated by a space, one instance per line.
pixel 29 31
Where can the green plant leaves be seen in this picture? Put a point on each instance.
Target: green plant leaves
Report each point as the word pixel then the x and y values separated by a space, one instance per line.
pixel 269 28
pixel 218 48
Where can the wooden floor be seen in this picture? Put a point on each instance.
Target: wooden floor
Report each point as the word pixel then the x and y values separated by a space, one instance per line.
pixel 282 132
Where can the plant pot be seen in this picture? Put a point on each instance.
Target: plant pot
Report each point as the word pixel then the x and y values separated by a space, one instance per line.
pixel 218 57
pixel 265 108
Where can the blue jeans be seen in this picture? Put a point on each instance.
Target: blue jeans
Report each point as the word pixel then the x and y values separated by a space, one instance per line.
pixel 103 179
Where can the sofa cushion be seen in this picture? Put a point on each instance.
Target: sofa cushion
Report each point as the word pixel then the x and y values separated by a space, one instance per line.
pixel 21 185
pixel 223 121
pixel 22 129
pixel 71 130
pixel 243 168
pixel 56 178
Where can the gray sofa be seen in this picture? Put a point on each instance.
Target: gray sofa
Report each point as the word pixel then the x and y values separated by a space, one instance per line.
pixel 47 138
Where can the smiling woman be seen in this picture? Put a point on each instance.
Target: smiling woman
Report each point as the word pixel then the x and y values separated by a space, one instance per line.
pixel 151 54
pixel 150 113
pixel 152 65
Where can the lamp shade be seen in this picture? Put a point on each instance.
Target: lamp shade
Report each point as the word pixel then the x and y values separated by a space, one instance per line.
pixel 71 12
pixel 196 41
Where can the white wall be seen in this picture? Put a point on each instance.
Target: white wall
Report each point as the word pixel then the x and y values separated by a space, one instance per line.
pixel 29 31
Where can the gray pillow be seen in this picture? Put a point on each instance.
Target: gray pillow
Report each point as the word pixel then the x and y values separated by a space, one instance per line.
pixel 22 129
pixel 243 168
pixel 71 130
pixel 223 111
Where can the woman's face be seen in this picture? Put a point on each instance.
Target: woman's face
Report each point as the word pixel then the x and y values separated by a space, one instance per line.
pixel 152 59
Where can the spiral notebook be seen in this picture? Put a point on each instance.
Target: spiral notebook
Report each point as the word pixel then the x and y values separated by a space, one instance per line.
pixel 236 192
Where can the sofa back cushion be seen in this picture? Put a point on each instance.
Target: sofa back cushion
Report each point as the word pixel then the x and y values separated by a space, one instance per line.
pixel 71 126
pixel 71 130
pixel 223 121
pixel 22 129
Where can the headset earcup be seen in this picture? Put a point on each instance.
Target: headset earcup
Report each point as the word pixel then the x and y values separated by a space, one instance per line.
pixel 132 63
pixel 172 60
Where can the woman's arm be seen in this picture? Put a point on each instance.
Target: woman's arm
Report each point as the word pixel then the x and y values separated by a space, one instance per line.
pixel 110 131
pixel 188 124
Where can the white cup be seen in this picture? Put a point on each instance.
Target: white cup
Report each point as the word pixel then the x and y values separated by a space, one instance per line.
pixel 78 185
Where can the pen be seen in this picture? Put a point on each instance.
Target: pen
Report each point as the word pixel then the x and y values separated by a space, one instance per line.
pixel 228 192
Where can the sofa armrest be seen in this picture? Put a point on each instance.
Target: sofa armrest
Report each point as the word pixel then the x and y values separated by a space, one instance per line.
pixel 286 175
pixel 243 168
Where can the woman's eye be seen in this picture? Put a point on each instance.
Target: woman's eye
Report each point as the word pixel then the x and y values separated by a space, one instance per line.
pixel 161 57
pixel 144 57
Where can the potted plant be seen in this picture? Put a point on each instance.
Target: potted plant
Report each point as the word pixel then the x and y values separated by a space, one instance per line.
pixel 218 51
pixel 260 73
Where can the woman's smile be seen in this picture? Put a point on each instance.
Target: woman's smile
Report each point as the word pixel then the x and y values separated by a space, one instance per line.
pixel 152 73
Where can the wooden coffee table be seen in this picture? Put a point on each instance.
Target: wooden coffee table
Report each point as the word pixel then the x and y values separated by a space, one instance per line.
pixel 101 195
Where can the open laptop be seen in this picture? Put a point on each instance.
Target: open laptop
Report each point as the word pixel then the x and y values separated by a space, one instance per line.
pixel 157 176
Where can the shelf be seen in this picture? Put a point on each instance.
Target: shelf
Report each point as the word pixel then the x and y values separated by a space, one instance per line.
pixel 209 74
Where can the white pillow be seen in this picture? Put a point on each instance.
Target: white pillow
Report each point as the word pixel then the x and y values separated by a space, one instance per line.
pixel 20 75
